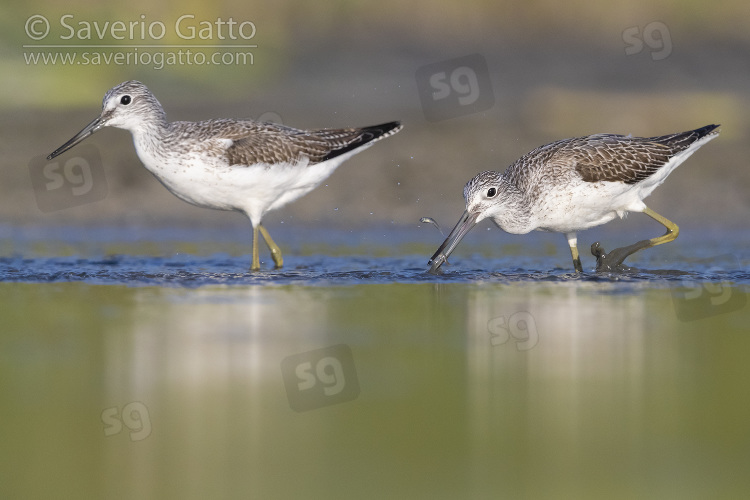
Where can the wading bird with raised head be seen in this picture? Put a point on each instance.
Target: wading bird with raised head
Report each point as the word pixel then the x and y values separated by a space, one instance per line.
pixel 226 164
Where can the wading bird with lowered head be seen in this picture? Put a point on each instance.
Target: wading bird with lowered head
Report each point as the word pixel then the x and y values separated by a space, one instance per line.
pixel 576 184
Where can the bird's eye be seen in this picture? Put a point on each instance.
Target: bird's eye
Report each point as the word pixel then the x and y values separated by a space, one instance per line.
pixel 491 192
pixel 125 100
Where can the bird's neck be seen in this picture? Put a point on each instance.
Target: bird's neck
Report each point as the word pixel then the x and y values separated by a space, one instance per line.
pixel 510 191
pixel 512 215
pixel 149 138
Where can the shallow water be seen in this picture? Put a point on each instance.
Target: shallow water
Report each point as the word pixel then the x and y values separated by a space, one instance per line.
pixel 199 257
pixel 151 364
pixel 189 271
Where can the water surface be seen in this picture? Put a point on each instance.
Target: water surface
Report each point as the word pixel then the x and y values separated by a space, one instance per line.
pixel 160 368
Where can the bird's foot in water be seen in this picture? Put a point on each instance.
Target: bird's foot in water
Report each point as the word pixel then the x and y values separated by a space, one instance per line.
pixel 613 261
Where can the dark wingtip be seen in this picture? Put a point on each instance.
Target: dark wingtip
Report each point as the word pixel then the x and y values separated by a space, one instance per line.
pixel 683 140
pixel 384 129
pixel 704 131
pixel 367 135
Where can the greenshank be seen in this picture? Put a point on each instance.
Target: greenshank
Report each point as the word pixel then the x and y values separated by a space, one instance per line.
pixel 575 184
pixel 226 164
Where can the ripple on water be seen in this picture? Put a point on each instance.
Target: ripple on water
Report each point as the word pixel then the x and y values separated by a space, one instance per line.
pixel 195 271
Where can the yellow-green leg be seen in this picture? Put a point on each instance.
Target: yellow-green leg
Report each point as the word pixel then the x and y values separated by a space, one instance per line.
pixel 275 250
pixel 612 260
pixel 573 243
pixel 672 229
pixel 256 258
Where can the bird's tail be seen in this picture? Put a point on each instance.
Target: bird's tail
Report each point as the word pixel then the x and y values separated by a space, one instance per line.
pixel 349 139
pixel 684 140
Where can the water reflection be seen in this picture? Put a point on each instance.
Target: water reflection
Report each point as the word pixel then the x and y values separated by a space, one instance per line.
pixel 206 363
pixel 548 389
pixel 538 364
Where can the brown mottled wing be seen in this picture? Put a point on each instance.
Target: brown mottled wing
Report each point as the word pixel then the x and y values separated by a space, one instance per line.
pixel 619 159
pixel 270 143
pixel 614 158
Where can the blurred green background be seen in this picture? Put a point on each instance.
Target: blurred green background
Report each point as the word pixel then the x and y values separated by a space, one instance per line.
pixel 556 70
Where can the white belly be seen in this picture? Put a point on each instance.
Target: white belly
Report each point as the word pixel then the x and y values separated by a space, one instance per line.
pixel 206 182
pixel 586 205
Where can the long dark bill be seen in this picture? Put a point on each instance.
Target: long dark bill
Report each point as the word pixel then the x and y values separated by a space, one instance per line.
pixel 464 225
pixel 87 131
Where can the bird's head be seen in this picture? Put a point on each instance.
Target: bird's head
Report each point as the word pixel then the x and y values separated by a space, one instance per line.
pixel 483 196
pixel 129 105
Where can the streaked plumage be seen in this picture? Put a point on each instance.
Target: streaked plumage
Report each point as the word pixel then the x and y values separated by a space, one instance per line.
pixel 227 164
pixel 575 184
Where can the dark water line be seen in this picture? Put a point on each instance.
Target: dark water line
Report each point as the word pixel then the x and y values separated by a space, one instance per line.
pixel 191 272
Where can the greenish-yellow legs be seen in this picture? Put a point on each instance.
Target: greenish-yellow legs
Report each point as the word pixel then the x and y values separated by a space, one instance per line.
pixel 612 260
pixel 275 250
